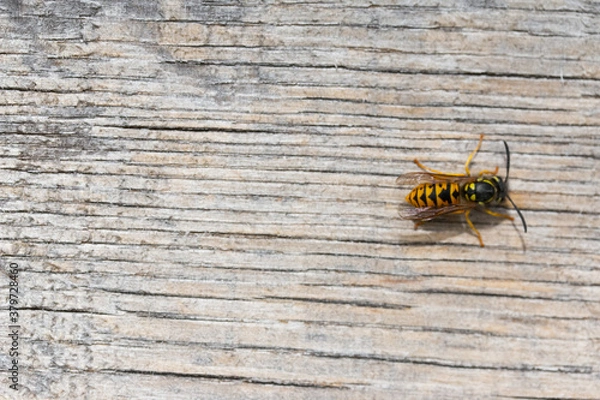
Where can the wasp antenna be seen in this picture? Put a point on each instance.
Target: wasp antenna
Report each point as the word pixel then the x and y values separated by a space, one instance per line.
pixel 506 180
pixel 507 160
pixel 518 212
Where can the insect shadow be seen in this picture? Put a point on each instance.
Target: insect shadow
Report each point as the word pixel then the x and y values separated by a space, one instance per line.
pixel 450 226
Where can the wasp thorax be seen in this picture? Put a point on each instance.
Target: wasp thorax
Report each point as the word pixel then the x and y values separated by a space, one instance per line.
pixel 485 190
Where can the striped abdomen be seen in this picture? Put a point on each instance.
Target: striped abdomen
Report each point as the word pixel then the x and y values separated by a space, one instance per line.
pixel 434 195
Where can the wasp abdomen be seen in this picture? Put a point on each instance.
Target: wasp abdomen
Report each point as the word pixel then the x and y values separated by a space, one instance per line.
pixel 434 195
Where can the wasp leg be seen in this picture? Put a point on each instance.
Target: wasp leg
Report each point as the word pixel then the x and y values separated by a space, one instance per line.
pixel 488 172
pixel 419 223
pixel 473 227
pixel 473 155
pixel 435 171
pixel 497 214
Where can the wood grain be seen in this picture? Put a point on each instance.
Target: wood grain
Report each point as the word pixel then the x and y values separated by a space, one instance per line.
pixel 201 199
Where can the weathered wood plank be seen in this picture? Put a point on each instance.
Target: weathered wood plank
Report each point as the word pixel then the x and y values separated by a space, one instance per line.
pixel 201 199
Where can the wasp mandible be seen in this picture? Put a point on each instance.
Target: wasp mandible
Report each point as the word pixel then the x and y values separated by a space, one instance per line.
pixel 438 193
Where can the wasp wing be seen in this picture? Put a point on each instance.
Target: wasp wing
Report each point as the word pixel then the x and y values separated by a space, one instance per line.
pixel 429 213
pixel 415 178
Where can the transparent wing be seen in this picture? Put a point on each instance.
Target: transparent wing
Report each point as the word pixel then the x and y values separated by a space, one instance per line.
pixel 429 213
pixel 415 178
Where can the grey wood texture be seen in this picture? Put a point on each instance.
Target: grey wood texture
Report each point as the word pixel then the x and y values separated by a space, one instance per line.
pixel 201 199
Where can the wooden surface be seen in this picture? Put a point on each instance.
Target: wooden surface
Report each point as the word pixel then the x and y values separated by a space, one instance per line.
pixel 201 199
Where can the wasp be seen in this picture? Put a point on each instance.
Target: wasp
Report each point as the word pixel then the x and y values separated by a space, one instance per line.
pixel 438 193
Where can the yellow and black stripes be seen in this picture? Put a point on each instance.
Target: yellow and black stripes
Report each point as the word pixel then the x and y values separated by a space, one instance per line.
pixel 434 195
